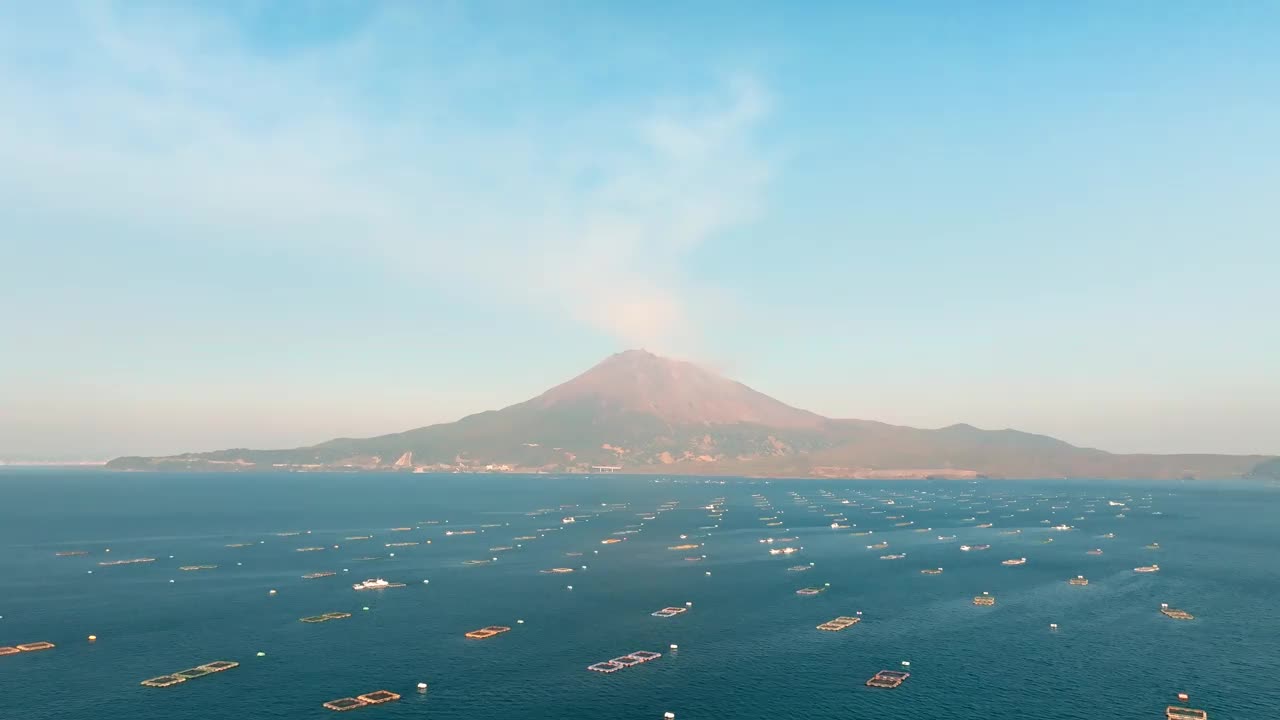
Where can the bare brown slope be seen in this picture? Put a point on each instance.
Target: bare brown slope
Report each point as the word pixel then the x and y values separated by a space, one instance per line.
pixel 637 382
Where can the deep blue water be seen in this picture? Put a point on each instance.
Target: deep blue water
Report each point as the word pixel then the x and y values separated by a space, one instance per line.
pixel 748 646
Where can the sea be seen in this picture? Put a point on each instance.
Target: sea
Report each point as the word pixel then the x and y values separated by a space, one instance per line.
pixel 747 645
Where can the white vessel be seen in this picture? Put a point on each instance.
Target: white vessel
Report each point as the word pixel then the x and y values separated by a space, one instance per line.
pixel 569 519
pixel 373 584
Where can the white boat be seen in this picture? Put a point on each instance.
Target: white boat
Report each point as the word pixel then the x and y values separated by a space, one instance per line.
pixel 1062 528
pixel 1147 569
pixel 372 584
pixel 567 520
pixel 966 548
pixel 1016 561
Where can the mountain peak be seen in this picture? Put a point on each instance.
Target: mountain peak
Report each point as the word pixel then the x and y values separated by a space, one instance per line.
pixel 638 382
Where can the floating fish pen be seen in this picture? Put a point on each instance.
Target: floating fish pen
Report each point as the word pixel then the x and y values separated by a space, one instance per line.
pixel 502 548
pixel 984 526
pixel 888 679
pixel 527 537
pixel 668 612
pixel 286 534
pixel 317 575
pixel 309 549
pixel 239 545
pixel 839 623
pixel 1153 546
pixel 638 657
pixel 485 633
pixel 568 554
pixel 799 568
pixel 359 537
pixel 351 703
pixel 1078 580
pixel 182 676
pixel 556 571
pixel 878 546
pixel 325 617
pixel 693 559
pixel 1173 712
pixel 1147 569
pixel 931 571
pixel 811 591
pixel 690 546
pixel 897 556
pixel 476 562
pixel 1014 561
pixel 193 568
pixel 401 544
pixel 1177 614
pixel 462 532
pixel 27 647
pixel 135 561
pixel 401 529
pixel 1095 551
pixel 985 600
pixel 71 553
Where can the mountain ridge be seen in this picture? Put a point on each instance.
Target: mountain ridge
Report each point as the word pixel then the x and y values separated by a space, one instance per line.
pixel 640 413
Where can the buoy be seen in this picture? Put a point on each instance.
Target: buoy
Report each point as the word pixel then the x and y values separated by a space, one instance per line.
pixel 1183 697
pixel 708 572
pixel 422 687
pixel 393 554
pixel 170 581
pixel 261 654
pixel 424 582
pixel 1053 626
pixel 688 604
pixel 568 587
pixel 93 638
pixel 519 622
pixel 107 550
pixel 1164 606
pixel 675 646
pixel 669 715
pixel 366 607
pixel 906 663
pixel 271 592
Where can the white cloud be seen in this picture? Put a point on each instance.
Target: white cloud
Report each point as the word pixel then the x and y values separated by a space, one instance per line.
pixel 171 125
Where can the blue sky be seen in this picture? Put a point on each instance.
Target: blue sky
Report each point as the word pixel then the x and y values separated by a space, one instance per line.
pixel 246 224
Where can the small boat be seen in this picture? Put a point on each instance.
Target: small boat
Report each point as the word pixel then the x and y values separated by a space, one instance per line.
pixel 1015 561
pixel 371 584
pixel 569 519
pixel 1062 528
pixel 1147 569
pixel 1095 551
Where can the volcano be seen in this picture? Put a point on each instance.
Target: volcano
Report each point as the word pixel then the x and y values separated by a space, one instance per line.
pixel 637 412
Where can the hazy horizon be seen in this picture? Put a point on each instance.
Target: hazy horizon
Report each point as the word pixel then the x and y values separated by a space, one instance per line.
pixel 255 225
